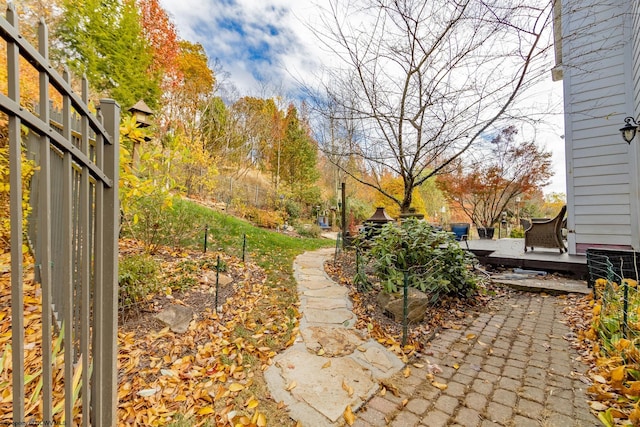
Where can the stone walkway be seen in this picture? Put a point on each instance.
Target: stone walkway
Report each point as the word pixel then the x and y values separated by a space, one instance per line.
pixel 331 365
pixel 511 367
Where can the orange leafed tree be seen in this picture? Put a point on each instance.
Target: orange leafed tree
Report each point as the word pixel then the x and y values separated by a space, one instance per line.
pixel 507 169
pixel 160 33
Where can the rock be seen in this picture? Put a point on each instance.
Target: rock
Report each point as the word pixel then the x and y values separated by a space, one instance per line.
pixel 210 279
pixel 393 305
pixel 176 317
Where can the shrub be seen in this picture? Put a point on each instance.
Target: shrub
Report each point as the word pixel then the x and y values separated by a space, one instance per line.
pixel 264 218
pixel 309 230
pixel 137 278
pixel 435 262
pixel 159 219
pixel 293 209
pixel 517 233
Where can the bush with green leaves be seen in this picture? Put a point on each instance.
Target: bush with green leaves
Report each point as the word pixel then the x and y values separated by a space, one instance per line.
pixel 312 231
pixel 434 261
pixel 158 219
pixel 137 278
pixel 517 233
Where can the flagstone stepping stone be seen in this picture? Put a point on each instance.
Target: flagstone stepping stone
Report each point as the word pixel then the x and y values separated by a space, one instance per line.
pixel 332 342
pixel 334 291
pixel 320 384
pixel 315 283
pixel 325 303
pixel 335 317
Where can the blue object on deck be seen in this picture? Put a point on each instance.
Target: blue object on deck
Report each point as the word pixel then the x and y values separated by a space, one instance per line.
pixel 461 230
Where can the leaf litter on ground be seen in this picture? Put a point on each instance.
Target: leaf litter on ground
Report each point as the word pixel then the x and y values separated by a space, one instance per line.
pixel 210 375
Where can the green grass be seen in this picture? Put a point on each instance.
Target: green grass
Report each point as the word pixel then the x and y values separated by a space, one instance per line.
pixel 271 250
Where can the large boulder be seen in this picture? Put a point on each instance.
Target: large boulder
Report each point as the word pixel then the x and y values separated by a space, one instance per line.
pixel 393 305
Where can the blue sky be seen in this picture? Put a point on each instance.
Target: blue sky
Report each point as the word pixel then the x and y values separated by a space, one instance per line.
pixel 266 49
pixel 257 42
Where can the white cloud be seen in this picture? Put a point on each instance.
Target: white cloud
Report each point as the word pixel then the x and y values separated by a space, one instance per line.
pixel 255 41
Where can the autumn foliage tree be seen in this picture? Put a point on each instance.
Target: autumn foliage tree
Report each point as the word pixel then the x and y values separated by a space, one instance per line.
pixel 506 169
pixel 162 39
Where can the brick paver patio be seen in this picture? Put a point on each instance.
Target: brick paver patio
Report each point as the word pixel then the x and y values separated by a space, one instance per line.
pixel 508 368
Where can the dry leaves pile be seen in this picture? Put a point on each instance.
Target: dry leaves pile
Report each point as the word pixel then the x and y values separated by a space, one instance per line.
pixel 207 374
pixel 614 381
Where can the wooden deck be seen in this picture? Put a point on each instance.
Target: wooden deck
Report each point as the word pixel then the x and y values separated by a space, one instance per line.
pixel 510 253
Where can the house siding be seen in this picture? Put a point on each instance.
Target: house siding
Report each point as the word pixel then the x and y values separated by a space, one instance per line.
pixel 636 55
pixel 598 76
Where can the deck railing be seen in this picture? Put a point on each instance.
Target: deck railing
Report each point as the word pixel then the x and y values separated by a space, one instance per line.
pixel 73 234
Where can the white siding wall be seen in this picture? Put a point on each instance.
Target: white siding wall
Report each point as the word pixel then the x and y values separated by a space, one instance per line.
pixel 636 54
pixel 597 74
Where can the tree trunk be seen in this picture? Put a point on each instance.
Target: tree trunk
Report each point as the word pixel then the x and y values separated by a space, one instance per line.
pixel 408 196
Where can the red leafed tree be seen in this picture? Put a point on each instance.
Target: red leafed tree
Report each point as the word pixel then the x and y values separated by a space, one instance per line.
pixel 483 189
pixel 160 33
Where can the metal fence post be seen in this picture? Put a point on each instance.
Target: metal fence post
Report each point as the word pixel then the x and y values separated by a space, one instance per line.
pixel 15 203
pixel 106 375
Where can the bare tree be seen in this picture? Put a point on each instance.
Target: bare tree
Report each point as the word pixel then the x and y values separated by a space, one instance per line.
pixel 425 80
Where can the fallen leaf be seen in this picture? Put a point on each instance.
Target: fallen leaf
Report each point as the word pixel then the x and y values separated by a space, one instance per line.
pixel 206 410
pixel 291 386
pixel 599 378
pixel 148 392
pixel 406 372
pixel 251 403
pixel 236 387
pixel 439 385
pixel 346 387
pixel 327 364
pixel 348 415
pixel 597 406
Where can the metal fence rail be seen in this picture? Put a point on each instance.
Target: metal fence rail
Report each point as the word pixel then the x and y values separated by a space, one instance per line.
pixel 616 322
pixel 73 232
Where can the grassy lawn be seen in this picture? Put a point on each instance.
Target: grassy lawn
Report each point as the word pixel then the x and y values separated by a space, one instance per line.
pixel 271 250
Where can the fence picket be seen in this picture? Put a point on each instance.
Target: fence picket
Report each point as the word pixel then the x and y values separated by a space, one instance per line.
pixel 15 172
pixel 43 257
